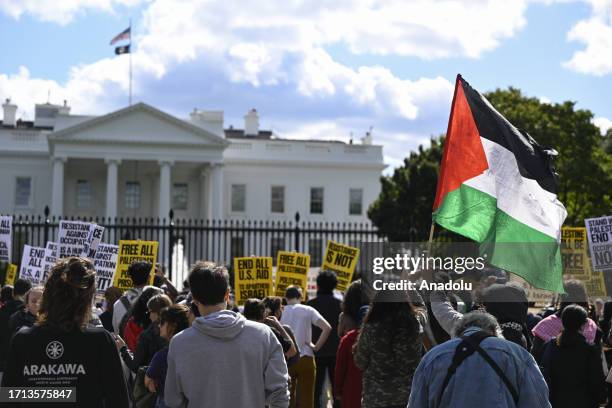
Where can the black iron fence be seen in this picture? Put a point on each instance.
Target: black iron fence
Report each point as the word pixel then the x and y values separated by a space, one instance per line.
pixel 184 241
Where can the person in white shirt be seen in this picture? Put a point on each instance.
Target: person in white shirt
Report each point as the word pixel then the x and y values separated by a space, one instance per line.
pixel 301 318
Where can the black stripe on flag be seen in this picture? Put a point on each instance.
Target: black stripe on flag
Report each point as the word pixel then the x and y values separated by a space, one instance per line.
pixel 534 161
pixel 124 49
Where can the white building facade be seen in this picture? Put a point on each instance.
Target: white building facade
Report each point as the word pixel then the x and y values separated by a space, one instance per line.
pixel 142 162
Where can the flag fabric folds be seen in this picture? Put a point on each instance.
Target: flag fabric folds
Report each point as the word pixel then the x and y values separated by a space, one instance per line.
pixel 497 187
pixel 122 49
pixel 124 35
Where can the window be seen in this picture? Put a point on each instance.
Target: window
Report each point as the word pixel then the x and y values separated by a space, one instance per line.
pixel 316 200
pixel 83 194
pixel 23 192
pixel 132 195
pixel 276 244
pixel 278 199
pixel 238 197
pixel 315 249
pixel 179 196
pixel 355 201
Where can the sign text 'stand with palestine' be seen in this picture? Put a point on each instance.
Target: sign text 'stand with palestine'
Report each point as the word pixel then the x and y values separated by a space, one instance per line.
pixel 130 251
pixel 599 232
pixel 252 278
pixel 341 259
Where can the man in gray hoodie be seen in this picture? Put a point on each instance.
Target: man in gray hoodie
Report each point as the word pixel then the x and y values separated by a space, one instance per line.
pixel 223 360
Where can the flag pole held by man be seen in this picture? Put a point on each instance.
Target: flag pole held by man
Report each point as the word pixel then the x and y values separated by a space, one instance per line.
pixel 497 187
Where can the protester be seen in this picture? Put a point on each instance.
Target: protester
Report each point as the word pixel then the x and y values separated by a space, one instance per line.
pixel 606 321
pixel 140 273
pixel 572 367
pixel 222 344
pixel 60 349
pixel 172 320
pixel 352 302
pixel 111 295
pixel 26 317
pixel 150 340
pixel 138 318
pixel 164 283
pixel 453 374
pixel 6 294
pixel 598 308
pixel 348 377
pixel 506 302
pixel 301 318
pixel 255 310
pixel 388 350
pixel 551 326
pixel 274 308
pixel 330 307
pixel 10 307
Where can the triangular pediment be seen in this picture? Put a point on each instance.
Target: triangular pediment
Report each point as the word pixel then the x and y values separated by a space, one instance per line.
pixel 139 123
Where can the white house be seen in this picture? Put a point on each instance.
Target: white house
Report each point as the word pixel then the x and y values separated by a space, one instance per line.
pixel 140 161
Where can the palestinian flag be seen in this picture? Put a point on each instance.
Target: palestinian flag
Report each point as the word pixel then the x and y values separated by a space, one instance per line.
pixel 497 187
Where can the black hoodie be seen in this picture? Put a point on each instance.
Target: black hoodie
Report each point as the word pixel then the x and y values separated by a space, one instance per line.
pixel 45 356
pixel 9 308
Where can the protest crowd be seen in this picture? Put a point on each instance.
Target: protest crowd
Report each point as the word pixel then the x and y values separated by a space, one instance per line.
pixel 153 346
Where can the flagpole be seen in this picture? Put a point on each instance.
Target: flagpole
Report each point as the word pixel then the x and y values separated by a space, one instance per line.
pixel 130 52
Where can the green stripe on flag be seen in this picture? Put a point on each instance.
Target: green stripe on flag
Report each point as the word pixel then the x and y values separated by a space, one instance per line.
pixel 506 242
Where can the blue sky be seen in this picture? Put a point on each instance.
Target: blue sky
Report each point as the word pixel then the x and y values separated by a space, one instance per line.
pixel 322 71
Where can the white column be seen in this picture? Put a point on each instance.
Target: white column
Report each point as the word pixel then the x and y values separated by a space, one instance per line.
pixel 57 192
pixel 204 212
pixel 164 187
pixel 216 191
pixel 112 172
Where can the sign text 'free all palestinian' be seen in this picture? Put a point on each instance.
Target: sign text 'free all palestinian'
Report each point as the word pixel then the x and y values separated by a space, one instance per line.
pixel 130 251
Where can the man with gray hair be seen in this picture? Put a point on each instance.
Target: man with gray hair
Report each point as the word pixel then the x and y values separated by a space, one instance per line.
pixel 478 368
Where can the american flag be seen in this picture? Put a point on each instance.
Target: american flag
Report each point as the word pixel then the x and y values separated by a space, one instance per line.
pixel 124 35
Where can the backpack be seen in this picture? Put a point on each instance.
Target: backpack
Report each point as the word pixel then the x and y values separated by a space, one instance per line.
pixel 468 346
pixel 141 396
pixel 124 319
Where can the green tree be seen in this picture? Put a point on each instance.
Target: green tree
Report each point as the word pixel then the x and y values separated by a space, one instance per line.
pixel 402 212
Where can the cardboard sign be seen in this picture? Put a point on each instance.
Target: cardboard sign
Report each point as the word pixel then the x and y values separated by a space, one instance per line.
pixel 72 237
pixel 540 297
pixel 50 258
pixel 252 278
pixel 574 251
pixel 105 264
pixel 291 269
pixel 341 259
pixel 599 233
pixel 11 274
pixel 93 240
pixel 130 251
pixel 6 229
pixel 32 264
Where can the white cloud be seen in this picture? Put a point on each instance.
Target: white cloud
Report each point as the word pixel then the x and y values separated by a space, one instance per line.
pixel 59 11
pixel 283 47
pixel 603 124
pixel 596 33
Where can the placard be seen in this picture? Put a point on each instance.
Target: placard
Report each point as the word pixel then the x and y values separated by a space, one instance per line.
pixel 291 269
pixel 252 278
pixel 341 259
pixel 130 251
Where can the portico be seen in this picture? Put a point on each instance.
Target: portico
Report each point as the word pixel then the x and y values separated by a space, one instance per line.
pixel 144 159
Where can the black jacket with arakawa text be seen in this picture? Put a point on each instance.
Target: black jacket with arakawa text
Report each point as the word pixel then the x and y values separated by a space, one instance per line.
pixel 44 356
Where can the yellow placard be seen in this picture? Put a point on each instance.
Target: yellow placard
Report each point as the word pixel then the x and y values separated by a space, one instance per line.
pixel 11 274
pixel 252 278
pixel 574 252
pixel 341 259
pixel 130 251
pixel 291 269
